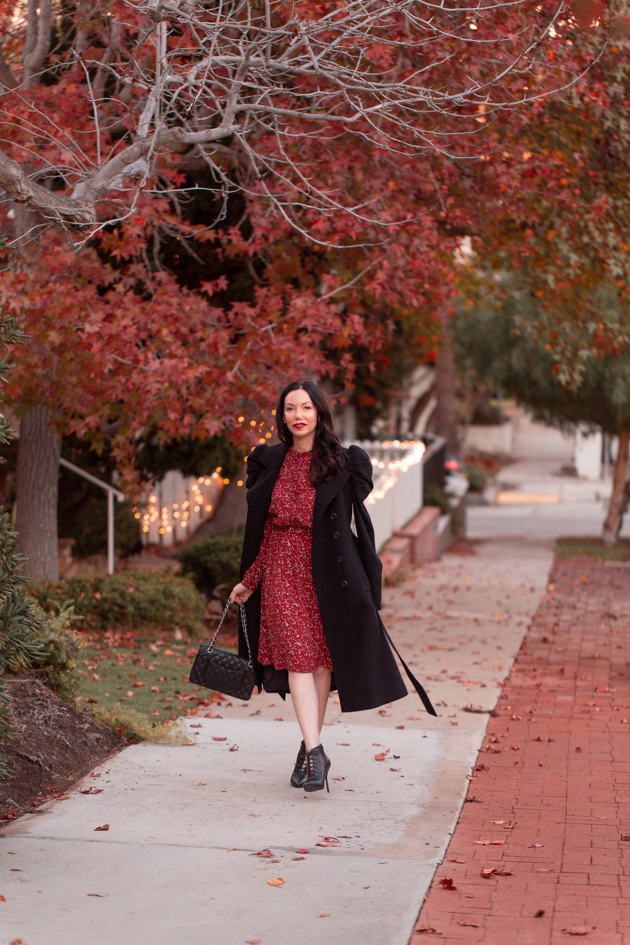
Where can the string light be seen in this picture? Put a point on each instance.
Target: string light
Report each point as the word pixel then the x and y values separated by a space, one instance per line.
pixel 414 451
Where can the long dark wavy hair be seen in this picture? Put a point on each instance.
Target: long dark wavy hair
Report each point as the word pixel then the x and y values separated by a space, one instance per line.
pixel 328 455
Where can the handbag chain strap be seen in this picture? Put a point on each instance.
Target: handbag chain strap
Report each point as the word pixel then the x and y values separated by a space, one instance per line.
pixel 241 608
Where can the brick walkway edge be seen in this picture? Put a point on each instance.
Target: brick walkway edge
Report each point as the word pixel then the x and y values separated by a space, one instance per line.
pixel 541 853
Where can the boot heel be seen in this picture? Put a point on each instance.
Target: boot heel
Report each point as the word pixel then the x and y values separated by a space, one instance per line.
pixel 327 788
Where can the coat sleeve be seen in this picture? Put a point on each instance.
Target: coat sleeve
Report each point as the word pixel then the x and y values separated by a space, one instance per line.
pixel 361 472
pixel 254 574
pixel 254 465
pixel 361 478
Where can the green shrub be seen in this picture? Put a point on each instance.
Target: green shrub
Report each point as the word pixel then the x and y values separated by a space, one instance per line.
pixel 21 624
pixel 134 724
pixel 436 496
pixel 476 477
pixel 62 645
pixel 130 599
pixel 214 560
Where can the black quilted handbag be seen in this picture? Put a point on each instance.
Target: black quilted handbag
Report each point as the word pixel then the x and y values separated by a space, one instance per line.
pixel 225 672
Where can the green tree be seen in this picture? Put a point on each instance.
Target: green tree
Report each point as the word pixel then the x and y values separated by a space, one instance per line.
pixel 498 346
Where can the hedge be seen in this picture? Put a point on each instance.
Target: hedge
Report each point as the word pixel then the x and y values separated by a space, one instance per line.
pixel 128 600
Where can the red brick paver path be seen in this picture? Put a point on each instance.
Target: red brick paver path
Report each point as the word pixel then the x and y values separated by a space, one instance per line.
pixel 551 786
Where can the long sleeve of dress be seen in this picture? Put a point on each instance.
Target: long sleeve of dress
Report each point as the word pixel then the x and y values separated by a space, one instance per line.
pixel 253 576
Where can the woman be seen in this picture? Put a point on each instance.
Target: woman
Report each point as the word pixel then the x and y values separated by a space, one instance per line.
pixel 312 587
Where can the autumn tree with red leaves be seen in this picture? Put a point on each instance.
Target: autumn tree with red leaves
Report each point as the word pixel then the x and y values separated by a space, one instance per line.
pixel 339 130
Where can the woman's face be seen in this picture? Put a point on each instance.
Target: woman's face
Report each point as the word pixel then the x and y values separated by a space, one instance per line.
pixel 299 414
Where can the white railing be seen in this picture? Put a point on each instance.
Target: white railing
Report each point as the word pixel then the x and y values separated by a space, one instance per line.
pixel 397 494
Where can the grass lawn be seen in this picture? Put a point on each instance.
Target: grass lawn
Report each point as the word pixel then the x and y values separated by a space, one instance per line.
pixel 148 675
pixel 592 548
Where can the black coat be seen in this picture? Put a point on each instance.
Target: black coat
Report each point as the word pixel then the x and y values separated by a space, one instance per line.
pixel 347 577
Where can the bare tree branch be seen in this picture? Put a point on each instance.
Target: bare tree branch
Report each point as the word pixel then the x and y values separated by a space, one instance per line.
pixel 249 84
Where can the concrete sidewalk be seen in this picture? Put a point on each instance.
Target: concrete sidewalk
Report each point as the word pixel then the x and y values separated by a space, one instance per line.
pixel 177 862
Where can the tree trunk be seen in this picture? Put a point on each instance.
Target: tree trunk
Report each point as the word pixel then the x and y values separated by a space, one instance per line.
pixel 612 525
pixel 231 511
pixel 39 449
pixel 444 421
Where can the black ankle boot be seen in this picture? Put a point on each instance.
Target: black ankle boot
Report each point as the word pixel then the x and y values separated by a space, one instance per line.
pixel 317 768
pixel 299 772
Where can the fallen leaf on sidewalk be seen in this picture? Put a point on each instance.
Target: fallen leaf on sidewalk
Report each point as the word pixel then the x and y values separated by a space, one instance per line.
pixel 330 839
pixel 427 928
pixel 197 725
pixel 324 915
pixel 2 899
pixel 473 925
pixel 539 914
pixel 96 895
pixel 345 744
pixel 454 859
pixel 339 778
pixel 579 929
pixel 275 882
pixel 489 843
pixel 447 883
pixel 324 843
pixel 481 767
pixel 104 827
pixel 530 846
pixel 233 747
pixel 92 775
pixel 502 821
pixel 92 790
pixel 219 738
pixel 252 941
pixel 302 851
pixel 400 726
pixel 381 756
pixel 267 853
pixel 579 749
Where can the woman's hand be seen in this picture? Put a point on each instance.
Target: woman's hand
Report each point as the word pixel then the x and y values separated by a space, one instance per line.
pixel 240 594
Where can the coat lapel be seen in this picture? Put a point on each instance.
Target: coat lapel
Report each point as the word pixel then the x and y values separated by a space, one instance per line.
pixel 325 492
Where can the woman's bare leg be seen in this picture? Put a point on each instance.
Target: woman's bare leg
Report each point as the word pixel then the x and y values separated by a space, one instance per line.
pixel 322 684
pixel 305 698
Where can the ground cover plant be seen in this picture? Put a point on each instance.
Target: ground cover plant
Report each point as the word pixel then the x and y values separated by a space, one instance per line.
pixel 129 680
pixel 593 548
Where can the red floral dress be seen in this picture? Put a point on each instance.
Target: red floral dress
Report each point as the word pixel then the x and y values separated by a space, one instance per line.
pixel 291 632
